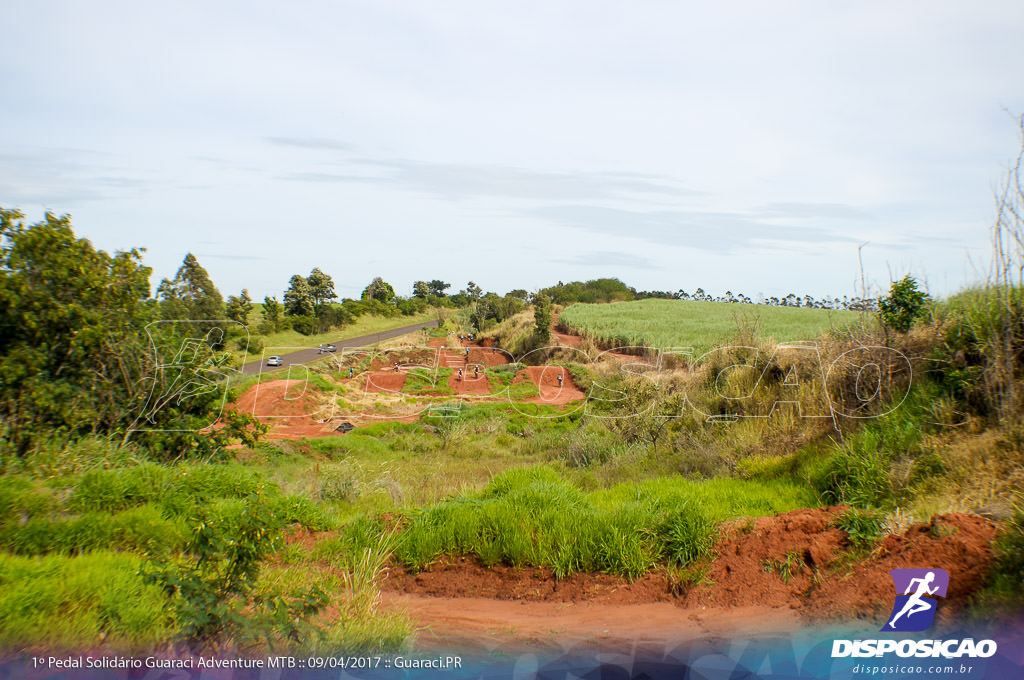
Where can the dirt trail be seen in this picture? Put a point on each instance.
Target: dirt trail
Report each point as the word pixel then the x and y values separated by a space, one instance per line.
pixel 745 590
pixel 447 623
pixel 551 390
pixel 473 379
pixel 573 340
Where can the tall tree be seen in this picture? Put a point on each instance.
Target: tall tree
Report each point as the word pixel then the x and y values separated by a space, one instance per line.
pixel 473 291
pixel 379 290
pixel 438 287
pixel 238 308
pixel 321 288
pixel 298 299
pixel 273 319
pixel 192 293
pixel 542 318
pixel 420 289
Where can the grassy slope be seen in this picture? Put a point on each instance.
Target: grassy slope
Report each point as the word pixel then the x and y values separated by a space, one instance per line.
pixel 701 325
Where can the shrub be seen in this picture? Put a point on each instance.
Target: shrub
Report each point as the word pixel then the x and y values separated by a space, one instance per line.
pixel 212 588
pixel 903 305
pixel 862 527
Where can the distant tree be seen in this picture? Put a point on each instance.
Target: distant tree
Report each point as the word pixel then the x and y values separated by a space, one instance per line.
pixel 273 316
pixel 438 287
pixel 238 308
pixel 321 288
pixel 542 319
pixel 420 289
pixel 903 305
pixel 298 299
pixel 473 291
pixel 518 294
pixel 191 294
pixel 379 290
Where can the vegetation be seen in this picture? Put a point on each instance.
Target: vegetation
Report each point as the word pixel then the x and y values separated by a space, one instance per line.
pixel 126 522
pixel 700 325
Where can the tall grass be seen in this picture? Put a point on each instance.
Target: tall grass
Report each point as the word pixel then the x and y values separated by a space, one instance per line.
pixel 62 603
pixel 533 516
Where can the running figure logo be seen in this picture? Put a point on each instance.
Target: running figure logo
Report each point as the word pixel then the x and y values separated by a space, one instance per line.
pixel 914 610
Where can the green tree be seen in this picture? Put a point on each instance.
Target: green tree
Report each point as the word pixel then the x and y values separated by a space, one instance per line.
pixel 79 343
pixel 298 299
pixel 542 319
pixel 903 305
pixel 273 316
pixel 191 294
pixel 379 290
pixel 420 289
pixel 238 308
pixel 321 288
pixel 473 291
pixel 438 287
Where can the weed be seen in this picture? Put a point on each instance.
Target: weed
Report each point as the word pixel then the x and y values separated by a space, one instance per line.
pixel 793 563
pixel 862 527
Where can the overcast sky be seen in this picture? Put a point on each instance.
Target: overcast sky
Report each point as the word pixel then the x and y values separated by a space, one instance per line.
pixel 748 146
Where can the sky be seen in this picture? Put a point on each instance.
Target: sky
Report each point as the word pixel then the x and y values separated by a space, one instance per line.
pixel 754 147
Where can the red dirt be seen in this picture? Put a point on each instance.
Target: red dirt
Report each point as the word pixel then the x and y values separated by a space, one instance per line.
pixel 506 627
pixel 564 338
pixel 291 414
pixel 460 599
pixel 574 340
pixel 822 586
pixel 546 380
pixel 384 381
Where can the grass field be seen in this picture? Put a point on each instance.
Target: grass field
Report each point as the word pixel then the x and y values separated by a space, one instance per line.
pixel 700 325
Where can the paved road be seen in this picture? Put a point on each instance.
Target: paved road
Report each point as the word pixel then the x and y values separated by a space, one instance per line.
pixel 304 356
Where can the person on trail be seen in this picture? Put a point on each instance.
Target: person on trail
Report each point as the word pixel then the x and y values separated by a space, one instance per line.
pixel 915 603
pixel 351 371
pixel 396 367
pixel 476 371
pixel 467 354
pixel 460 375
pixel 559 380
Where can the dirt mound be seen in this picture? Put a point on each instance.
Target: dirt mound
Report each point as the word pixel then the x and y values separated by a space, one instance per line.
pixel 384 381
pixel 489 356
pixel 799 560
pixel 288 406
